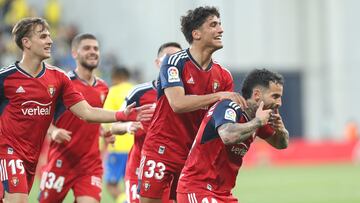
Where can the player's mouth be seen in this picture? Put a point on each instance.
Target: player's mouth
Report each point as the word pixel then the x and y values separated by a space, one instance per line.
pixel 218 38
pixel 47 49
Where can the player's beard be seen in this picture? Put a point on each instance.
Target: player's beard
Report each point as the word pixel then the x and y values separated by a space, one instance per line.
pixel 89 66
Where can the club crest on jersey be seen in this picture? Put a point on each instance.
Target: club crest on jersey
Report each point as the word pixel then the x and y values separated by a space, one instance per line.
pixel 15 181
pixel 230 114
pixel 216 86
pixel 173 74
pixel 51 90
pixel 146 185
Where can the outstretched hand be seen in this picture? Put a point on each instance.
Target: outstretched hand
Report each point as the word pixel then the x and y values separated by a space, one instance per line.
pixel 142 113
pixel 145 112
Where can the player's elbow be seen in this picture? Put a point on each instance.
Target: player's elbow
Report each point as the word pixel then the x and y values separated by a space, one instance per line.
pixel 177 107
pixel 282 144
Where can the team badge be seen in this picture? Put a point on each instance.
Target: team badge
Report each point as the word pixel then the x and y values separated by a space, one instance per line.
pixel 10 150
pixel 173 74
pixel 230 114
pixel 209 187
pixel 161 150
pixel 51 90
pixel 59 163
pixel 15 181
pixel 146 185
pixel 216 86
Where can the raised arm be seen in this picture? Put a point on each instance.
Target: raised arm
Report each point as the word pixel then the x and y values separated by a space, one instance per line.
pixel 181 103
pixel 86 112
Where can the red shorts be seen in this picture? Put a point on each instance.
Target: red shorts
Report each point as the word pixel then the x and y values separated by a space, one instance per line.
pixel 204 197
pixel 55 185
pixel 132 164
pixel 156 176
pixel 15 175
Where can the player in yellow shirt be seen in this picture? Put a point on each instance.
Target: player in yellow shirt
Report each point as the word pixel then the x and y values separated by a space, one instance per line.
pixel 115 161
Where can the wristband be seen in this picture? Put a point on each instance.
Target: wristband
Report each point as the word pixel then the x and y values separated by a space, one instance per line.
pixel 120 116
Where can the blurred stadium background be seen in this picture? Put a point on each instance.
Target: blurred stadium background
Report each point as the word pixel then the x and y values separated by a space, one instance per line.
pixel 314 43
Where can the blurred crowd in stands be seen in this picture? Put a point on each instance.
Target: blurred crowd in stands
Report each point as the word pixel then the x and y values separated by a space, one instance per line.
pixel 12 11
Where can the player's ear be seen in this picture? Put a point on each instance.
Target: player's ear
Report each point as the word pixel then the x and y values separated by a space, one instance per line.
pixel 26 42
pixel 196 34
pixel 74 53
pixel 256 94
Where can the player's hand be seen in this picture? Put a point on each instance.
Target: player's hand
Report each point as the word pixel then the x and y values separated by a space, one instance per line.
pixel 132 127
pixel 263 115
pixel 234 96
pixel 145 112
pixel 276 121
pixel 109 138
pixel 142 113
pixel 60 135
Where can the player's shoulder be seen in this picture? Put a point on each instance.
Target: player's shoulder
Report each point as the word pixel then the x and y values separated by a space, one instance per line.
pixel 177 58
pixel 7 70
pixel 228 103
pixel 55 69
pixel 140 89
pixel 221 68
pixel 100 81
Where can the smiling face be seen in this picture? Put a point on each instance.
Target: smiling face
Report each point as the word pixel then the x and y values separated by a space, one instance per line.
pixel 210 33
pixel 271 96
pixel 39 42
pixel 87 53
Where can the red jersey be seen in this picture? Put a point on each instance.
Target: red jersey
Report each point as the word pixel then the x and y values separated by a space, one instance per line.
pixel 27 106
pixel 171 134
pixel 142 94
pixel 213 166
pixel 82 153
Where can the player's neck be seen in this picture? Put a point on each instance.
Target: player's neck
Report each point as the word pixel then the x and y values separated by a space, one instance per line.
pixel 85 75
pixel 31 65
pixel 201 56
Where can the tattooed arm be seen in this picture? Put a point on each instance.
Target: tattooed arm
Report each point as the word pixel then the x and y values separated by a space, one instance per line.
pixel 232 133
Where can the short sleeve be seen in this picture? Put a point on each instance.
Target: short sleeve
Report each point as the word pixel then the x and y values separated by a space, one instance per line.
pixel 69 95
pixel 170 75
pixel 226 112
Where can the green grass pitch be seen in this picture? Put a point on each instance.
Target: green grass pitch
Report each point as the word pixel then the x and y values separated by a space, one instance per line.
pixel 333 183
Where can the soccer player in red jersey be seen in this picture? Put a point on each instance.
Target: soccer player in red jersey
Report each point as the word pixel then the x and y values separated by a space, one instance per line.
pixel 141 94
pixel 29 92
pixel 225 135
pixel 76 164
pixel 189 81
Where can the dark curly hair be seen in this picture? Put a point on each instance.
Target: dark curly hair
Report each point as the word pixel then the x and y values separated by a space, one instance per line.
pixel 259 77
pixel 195 18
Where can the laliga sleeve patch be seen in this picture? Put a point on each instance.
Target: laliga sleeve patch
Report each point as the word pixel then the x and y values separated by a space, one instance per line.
pixel 230 114
pixel 173 74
